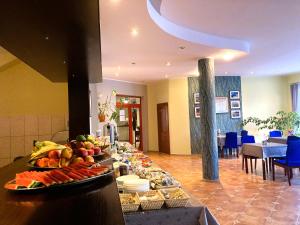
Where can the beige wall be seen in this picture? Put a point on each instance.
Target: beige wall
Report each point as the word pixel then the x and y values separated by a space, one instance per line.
pixel 175 92
pixel 31 108
pixel 263 97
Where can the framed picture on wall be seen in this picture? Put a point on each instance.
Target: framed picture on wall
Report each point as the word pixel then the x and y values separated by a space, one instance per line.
pixel 235 114
pixel 222 105
pixel 236 104
pixel 234 94
pixel 196 98
pixel 197 112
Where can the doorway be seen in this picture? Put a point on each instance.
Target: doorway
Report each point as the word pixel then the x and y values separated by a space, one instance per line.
pixel 163 128
pixel 129 121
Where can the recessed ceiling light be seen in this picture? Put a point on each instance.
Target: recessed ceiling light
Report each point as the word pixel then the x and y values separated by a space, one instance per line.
pixel 166 76
pixel 168 64
pixel 115 1
pixel 119 67
pixel 116 74
pixel 252 72
pixel 134 32
pixel 228 56
pixel 226 72
pixel 133 63
pixel 181 47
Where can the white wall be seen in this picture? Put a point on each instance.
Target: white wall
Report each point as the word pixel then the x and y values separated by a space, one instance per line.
pixel 99 91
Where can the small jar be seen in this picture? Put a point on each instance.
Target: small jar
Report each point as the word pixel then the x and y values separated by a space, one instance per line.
pixel 124 169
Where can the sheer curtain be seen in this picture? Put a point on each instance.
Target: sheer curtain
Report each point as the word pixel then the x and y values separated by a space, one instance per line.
pixel 295 97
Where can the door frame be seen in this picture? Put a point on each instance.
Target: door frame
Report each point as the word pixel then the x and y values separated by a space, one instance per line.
pixel 129 107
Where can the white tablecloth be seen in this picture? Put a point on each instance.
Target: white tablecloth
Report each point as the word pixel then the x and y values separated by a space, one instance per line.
pixel 264 151
pixel 222 137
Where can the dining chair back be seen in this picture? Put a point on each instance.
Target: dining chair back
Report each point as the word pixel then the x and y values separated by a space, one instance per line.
pixel 292 152
pixel 275 133
pixel 248 139
pixel 231 140
pixel 292 138
pixel 244 133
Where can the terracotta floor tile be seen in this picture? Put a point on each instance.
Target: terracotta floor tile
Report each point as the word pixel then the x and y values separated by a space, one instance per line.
pixel 237 198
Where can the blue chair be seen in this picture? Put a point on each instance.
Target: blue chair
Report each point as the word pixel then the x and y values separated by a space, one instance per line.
pixel 231 142
pixel 292 138
pixel 248 139
pixel 275 133
pixel 292 160
pixel 244 133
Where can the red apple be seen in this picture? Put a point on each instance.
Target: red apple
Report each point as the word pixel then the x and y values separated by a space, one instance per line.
pixel 97 150
pixel 80 144
pixel 83 152
pixel 90 152
pixel 54 154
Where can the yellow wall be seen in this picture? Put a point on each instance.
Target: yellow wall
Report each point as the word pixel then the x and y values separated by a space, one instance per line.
pixel 175 92
pixel 263 97
pixel 157 92
pixel 31 108
pixel 180 142
pixel 23 90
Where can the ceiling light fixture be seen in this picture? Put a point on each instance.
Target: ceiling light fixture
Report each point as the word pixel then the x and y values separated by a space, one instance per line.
pixel 133 63
pixel 134 32
pixel 228 57
pixel 226 72
pixel 166 76
pixel 116 74
pixel 252 72
pixel 181 47
pixel 168 64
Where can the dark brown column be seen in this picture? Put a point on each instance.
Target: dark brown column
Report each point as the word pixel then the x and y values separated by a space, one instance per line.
pixel 208 119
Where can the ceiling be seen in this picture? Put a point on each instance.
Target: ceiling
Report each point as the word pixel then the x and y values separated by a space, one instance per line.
pixel 271 28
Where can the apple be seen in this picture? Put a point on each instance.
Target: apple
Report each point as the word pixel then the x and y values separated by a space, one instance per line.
pixel 53 163
pixel 83 152
pixel 80 144
pixel 97 150
pixel 78 160
pixel 88 145
pixel 89 158
pixel 43 162
pixel 67 153
pixel 64 162
pixel 90 152
pixel 54 154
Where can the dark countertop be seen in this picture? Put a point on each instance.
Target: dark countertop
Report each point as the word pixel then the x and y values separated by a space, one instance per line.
pixel 94 203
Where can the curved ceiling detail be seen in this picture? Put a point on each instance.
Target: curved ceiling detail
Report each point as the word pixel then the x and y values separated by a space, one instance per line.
pixel 193 36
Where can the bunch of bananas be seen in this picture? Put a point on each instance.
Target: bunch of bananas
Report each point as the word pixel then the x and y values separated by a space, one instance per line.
pixel 41 148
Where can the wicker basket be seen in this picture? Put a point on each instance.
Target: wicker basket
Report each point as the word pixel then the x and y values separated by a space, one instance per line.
pixel 130 207
pixel 151 204
pixel 173 203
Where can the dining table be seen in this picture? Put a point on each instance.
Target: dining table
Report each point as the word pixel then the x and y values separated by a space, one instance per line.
pixel 280 140
pixel 264 151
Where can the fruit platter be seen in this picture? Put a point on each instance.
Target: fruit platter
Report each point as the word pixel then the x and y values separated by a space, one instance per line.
pixel 50 155
pixel 77 173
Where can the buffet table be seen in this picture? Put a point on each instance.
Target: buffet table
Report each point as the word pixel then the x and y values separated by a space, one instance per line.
pixel 279 140
pixel 197 215
pixel 94 203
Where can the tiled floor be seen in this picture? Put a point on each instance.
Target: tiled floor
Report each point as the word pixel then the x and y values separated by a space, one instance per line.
pixel 238 198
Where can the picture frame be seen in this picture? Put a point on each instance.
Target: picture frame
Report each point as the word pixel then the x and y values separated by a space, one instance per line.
pixel 197 112
pixel 235 114
pixel 234 94
pixel 222 105
pixel 196 98
pixel 235 104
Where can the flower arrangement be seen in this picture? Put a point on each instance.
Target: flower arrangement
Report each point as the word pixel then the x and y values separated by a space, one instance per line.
pixel 108 108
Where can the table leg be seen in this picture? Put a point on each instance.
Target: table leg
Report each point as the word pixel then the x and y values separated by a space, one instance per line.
pixel 264 168
pixel 270 163
pixel 222 151
pixel 251 165
pixel 243 161
pixel 267 167
pixel 246 163
pixel 273 168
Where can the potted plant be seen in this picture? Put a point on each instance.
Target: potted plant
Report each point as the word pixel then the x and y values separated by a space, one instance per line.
pixel 287 122
pixel 107 108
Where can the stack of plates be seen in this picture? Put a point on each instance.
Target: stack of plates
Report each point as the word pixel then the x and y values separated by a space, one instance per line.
pixel 120 180
pixel 138 185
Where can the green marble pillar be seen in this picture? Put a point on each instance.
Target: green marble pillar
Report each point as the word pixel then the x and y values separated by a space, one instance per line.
pixel 208 119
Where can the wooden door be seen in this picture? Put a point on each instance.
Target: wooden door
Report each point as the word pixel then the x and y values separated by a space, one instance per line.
pixel 163 128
